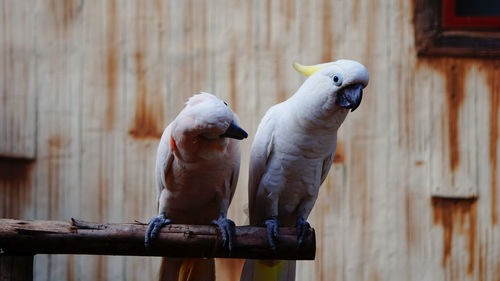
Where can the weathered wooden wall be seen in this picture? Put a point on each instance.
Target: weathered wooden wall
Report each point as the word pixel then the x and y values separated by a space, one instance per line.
pixel 87 87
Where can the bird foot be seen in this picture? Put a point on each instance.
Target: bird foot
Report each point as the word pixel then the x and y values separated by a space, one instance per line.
pixel 272 225
pixel 226 227
pixel 303 228
pixel 154 226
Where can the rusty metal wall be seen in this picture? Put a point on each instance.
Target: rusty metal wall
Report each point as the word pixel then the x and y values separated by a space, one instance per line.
pixel 87 87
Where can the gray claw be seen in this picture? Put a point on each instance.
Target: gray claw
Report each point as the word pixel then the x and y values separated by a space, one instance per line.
pixel 272 232
pixel 155 224
pixel 303 227
pixel 226 227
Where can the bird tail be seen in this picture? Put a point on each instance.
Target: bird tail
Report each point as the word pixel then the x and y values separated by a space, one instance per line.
pixel 268 270
pixel 175 269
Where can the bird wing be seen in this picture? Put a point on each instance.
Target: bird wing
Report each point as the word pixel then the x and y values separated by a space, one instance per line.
pixel 164 159
pixel 259 157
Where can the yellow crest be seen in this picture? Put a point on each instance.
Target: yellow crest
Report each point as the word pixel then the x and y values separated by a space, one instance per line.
pixel 307 70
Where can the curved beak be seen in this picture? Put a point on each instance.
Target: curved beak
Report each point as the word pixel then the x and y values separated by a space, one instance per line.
pixel 350 97
pixel 234 131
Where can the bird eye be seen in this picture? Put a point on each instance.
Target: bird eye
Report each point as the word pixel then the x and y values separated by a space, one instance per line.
pixel 225 103
pixel 337 79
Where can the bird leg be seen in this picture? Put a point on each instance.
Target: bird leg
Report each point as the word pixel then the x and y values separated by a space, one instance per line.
pixel 155 224
pixel 226 227
pixel 272 225
pixel 303 227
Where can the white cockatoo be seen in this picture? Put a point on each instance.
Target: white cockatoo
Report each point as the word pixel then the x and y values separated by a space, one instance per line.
pixel 292 153
pixel 197 169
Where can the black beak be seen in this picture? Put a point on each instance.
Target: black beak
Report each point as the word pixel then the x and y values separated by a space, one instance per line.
pixel 234 131
pixel 351 96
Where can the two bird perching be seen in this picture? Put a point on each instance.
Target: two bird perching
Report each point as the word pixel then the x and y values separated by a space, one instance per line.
pixel 199 157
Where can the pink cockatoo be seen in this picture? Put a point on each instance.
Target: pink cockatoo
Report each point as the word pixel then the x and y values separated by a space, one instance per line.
pixel 197 169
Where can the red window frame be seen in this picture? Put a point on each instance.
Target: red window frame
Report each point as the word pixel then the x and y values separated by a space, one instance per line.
pixel 450 19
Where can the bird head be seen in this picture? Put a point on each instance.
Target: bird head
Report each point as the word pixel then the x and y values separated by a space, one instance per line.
pixel 211 118
pixel 342 80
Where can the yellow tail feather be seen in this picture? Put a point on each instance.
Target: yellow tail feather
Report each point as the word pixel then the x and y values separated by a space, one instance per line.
pixel 268 270
pixel 186 270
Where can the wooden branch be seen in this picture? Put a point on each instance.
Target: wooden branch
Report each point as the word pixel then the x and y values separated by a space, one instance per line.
pixel 19 237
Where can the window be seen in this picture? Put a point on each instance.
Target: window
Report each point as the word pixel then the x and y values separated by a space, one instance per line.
pixel 457 27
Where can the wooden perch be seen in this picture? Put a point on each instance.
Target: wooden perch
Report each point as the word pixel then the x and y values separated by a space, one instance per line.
pixel 18 237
